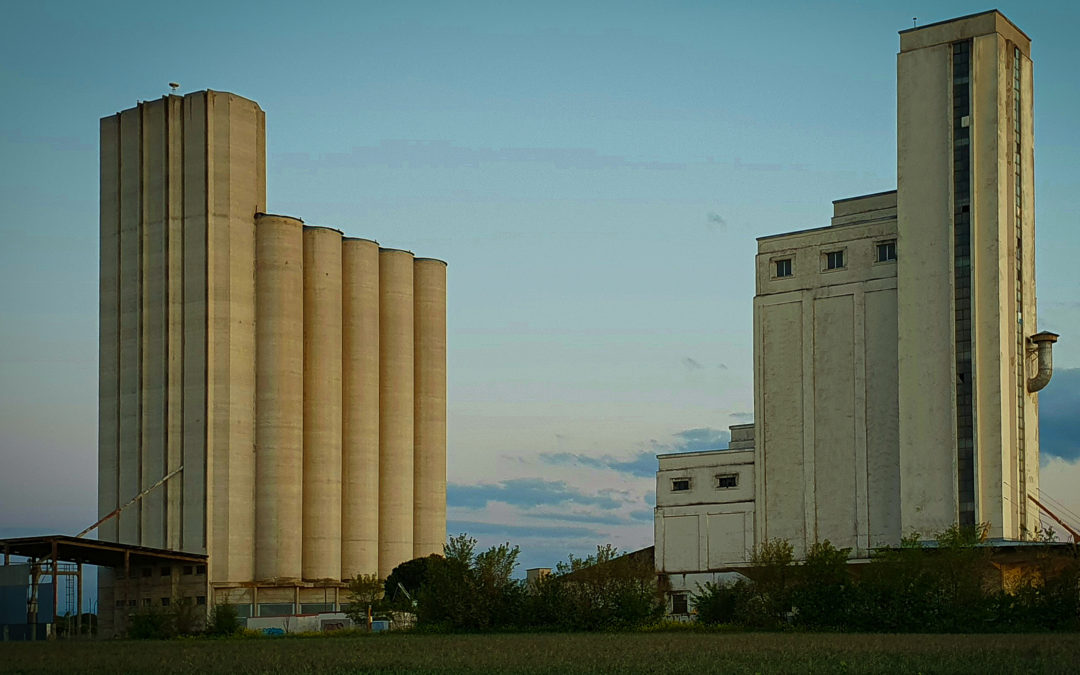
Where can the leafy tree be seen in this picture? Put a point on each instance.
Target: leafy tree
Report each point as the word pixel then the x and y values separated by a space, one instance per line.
pixel 601 591
pixel 470 591
pixel 224 620
pixel 410 575
pixel 364 593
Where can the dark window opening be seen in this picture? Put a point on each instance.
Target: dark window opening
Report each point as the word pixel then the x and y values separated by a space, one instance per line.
pixel 679 603
pixel 886 251
pixel 834 260
pixel 680 484
pixel 727 480
pixel 783 268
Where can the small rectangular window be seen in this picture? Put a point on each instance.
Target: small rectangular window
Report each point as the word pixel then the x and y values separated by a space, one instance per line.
pixel 834 260
pixel 679 603
pixel 783 268
pixel 886 251
pixel 119 603
pixel 164 602
pixel 201 569
pixel 200 599
pixel 146 602
pixel 680 484
pixel 727 480
pixel 166 571
pixel 131 603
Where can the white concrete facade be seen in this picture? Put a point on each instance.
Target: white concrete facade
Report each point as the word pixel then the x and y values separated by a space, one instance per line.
pixel 894 348
pixel 705 508
pixel 825 381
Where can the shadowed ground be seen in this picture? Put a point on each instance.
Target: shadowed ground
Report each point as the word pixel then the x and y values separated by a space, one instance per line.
pixel 558 653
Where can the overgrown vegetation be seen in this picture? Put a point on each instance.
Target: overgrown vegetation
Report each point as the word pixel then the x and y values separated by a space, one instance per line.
pixel 951 587
pixel 466 590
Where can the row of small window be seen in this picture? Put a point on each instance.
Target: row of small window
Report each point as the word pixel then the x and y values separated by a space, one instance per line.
pixel 166 571
pixel 834 260
pixel 149 602
pixel 723 481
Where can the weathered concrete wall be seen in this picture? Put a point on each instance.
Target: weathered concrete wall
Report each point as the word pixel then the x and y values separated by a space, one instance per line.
pixel 1003 308
pixel 180 181
pixel 825 382
pixel 705 526
pixel 927 369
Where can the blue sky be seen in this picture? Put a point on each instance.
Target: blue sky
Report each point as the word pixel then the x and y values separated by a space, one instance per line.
pixel 595 174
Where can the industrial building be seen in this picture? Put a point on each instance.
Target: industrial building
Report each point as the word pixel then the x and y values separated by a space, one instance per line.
pixel 282 386
pixel 897 359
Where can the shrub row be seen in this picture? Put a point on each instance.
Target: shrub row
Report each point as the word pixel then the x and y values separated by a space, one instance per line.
pixel 952 587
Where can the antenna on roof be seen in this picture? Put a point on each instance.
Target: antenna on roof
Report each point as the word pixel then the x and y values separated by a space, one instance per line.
pixel 914 22
pixel 174 86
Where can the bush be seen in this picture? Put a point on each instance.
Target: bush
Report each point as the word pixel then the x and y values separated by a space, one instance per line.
pixel 224 620
pixel 724 602
pixel 604 591
pixel 150 624
pixel 470 591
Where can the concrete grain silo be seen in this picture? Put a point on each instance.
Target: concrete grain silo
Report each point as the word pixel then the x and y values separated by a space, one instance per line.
pixel 257 377
pixel 396 414
pixel 360 393
pixel 279 401
pixel 429 405
pixel 322 403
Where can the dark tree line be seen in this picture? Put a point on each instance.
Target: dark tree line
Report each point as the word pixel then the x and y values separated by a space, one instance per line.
pixel 951 587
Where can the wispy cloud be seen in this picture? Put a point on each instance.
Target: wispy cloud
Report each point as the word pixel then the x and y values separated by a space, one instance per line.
pixel 701 438
pixel 1059 423
pixel 692 364
pixel 477 528
pixel 643 516
pixel 524 492
pixel 716 222
pixel 598 518
pixel 643 464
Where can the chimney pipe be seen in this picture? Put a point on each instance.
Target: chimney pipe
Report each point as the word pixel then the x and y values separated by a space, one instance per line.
pixel 1044 342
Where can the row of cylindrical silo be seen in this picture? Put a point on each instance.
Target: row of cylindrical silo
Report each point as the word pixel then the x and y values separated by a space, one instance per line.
pixel 351 404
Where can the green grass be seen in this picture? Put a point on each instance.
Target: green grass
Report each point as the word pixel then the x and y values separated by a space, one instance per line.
pixel 677 652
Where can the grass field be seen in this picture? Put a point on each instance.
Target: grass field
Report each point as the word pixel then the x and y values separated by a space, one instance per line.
pixel 561 653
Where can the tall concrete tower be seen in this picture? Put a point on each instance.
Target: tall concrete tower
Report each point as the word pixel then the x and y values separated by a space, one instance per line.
pixel 290 382
pixel 969 446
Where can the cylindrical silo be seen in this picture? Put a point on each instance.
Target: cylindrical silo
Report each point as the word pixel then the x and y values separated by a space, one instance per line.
pixel 429 436
pixel 322 404
pixel 395 409
pixel 360 424
pixel 279 401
